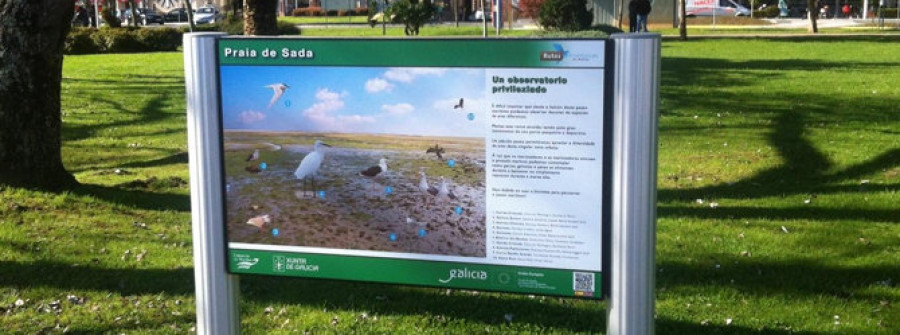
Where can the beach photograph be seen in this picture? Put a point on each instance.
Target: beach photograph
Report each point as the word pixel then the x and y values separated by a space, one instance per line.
pixel 374 159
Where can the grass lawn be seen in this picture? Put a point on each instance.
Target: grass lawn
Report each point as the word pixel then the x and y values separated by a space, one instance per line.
pixel 323 19
pixel 779 179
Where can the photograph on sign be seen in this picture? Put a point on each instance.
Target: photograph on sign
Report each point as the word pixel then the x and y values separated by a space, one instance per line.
pixel 457 173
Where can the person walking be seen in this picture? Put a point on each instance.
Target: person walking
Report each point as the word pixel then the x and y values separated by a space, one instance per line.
pixel 632 16
pixel 643 8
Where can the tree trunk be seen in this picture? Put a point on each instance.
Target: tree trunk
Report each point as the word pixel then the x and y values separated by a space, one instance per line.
pixel 813 12
pixel 190 14
pixel 261 17
pixel 134 17
pixel 682 20
pixel 32 33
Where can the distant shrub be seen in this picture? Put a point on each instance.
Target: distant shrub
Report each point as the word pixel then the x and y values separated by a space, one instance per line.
pixel 297 12
pixel 119 40
pixel 116 40
pixel 310 11
pixel 565 15
pixel 80 42
pixel 531 8
pixel 769 11
pixel 360 11
pixel 599 31
pixel 343 12
pixel 285 28
pixel 412 13
pixel 331 12
pixel 159 39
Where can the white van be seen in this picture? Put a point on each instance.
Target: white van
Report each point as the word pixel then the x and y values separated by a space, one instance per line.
pixel 715 8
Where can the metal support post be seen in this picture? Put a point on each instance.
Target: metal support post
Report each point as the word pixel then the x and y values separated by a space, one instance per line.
pixel 217 291
pixel 635 122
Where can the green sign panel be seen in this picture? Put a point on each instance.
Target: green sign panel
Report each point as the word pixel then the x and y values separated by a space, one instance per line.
pixel 446 162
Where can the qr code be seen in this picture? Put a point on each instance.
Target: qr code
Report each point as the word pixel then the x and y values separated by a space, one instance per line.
pixel 583 281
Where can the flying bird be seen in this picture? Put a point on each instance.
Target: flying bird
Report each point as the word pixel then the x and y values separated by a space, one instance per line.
pixel 423 185
pixel 438 151
pixel 260 221
pixel 253 156
pixel 310 164
pixel 279 89
pixel 444 191
pixel 459 105
pixel 375 170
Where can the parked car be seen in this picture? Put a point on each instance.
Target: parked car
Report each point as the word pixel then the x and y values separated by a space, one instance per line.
pixel 177 15
pixel 715 8
pixel 148 16
pixel 207 15
pixel 479 15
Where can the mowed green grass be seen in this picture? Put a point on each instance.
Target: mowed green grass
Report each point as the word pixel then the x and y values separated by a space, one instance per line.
pixel 792 146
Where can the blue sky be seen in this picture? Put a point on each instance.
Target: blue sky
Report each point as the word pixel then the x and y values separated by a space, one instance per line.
pixel 407 101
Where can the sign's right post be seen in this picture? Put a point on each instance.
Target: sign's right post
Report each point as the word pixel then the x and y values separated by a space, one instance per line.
pixel 634 158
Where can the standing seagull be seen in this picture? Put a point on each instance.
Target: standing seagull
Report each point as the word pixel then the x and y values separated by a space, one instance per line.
pixel 423 186
pixel 445 192
pixel 310 164
pixel 279 89
pixel 254 156
pixel 459 105
pixel 375 170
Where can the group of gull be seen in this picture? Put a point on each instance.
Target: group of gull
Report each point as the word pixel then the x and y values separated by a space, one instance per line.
pixel 310 165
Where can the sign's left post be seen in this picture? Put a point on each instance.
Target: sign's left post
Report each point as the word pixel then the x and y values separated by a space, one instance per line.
pixel 217 292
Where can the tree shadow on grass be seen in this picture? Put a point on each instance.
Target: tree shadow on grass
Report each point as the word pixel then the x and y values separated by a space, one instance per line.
pixel 136 198
pixel 805 169
pixel 803 279
pixel 440 308
pixel 90 278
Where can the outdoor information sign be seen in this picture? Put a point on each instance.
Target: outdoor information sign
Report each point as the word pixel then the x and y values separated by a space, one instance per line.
pixel 452 163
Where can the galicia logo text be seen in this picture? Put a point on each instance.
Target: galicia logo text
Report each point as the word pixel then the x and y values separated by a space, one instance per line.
pixel 465 273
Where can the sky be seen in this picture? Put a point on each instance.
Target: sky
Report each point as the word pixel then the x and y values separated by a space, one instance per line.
pixel 403 101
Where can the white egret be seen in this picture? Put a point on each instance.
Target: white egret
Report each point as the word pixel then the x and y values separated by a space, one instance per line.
pixel 310 164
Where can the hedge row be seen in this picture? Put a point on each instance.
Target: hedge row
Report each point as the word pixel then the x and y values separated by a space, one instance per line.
pixel 117 40
pixel 319 11
pixel 770 11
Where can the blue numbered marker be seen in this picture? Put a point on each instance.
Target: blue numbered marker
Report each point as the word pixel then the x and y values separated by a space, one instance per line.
pixel 322 194
pixel 393 237
pixel 451 163
pixel 389 190
pixel 423 232
pixel 459 210
pixel 471 116
pixel 276 232
pixel 263 165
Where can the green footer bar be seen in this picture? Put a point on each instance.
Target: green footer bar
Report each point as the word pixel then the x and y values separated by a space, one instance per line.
pixel 417 272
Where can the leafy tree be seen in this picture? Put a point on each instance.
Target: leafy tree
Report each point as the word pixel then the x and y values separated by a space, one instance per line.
pixel 412 13
pixel 565 15
pixel 32 35
pixel 260 17
pixel 531 8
